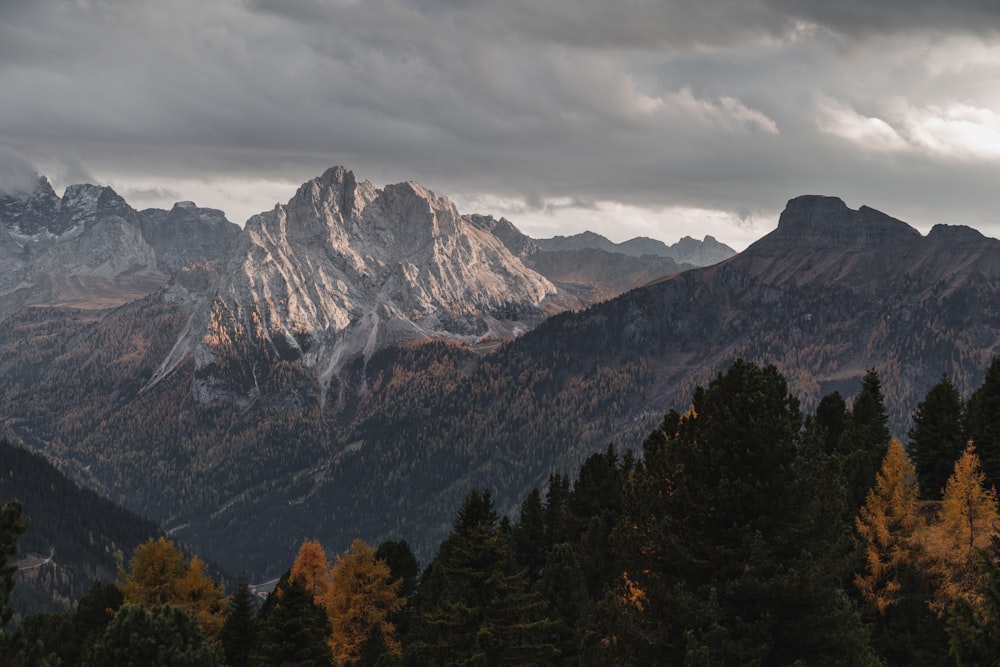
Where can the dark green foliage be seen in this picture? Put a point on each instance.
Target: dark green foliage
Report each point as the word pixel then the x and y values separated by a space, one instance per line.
pixel 239 632
pixel 474 606
pixel 402 563
pixel 832 416
pixel 374 652
pixel 404 566
pixel 937 437
pixel 983 423
pixel 722 561
pixel 528 538
pixel 974 634
pixel 291 629
pixel 94 612
pixel 569 603
pixel 52 638
pixel 865 441
pixel 12 525
pixel 84 533
pixel 157 637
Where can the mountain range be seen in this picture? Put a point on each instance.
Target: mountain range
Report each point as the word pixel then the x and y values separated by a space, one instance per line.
pixel 355 360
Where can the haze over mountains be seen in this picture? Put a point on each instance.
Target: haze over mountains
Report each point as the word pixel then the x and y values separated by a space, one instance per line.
pixel 331 371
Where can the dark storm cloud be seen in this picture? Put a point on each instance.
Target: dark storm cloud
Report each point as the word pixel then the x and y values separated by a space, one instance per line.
pixel 17 175
pixel 735 105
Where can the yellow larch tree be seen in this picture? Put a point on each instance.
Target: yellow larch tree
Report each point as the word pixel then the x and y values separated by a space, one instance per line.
pixel 159 574
pixel 967 522
pixel 312 570
pixel 887 523
pixel 362 596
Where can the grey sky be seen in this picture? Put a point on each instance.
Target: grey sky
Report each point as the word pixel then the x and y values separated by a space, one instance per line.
pixel 643 117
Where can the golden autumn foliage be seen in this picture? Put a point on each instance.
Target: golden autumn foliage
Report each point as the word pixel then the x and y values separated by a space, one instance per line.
pixel 887 523
pixel 362 596
pixel 312 570
pixel 967 523
pixel 159 574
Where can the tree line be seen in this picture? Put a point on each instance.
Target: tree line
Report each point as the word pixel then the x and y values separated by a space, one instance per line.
pixel 746 532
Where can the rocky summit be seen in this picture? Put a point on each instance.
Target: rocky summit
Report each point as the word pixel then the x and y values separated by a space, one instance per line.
pixel 345 269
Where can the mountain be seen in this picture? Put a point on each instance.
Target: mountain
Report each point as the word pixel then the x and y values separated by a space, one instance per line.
pixel 595 272
pixel 90 249
pixel 74 535
pixel 336 374
pixel 346 269
pixel 686 251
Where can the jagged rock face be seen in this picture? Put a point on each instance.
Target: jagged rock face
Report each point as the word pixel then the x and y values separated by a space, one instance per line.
pixel 186 234
pixel 345 269
pixel 85 249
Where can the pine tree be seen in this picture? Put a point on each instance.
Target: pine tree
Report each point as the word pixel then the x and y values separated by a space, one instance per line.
pixel 974 630
pixel 163 636
pixel 528 537
pixel 865 440
pixel 936 439
pixel 291 629
pixel 474 606
pixel 887 523
pixel 983 423
pixel 239 633
pixel 12 525
pixel 722 563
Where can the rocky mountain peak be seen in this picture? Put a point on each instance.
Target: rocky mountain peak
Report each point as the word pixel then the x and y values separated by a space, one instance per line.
pixel 814 221
pixel 344 269
pixel 954 233
pixel 29 212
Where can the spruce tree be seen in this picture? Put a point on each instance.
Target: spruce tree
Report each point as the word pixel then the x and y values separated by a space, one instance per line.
pixel 983 423
pixel 239 632
pixel 937 437
pixel 474 606
pixel 722 562
pixel 291 629
pixel 864 441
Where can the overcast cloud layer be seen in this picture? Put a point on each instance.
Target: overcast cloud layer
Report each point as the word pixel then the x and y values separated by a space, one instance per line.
pixel 648 117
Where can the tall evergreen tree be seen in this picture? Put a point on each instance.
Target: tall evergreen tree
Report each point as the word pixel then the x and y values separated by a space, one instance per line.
pixel 983 423
pixel 864 441
pixel 239 632
pixel 12 525
pixel 474 606
pixel 162 636
pixel 292 629
pixel 937 437
pixel 721 560
pixel 974 630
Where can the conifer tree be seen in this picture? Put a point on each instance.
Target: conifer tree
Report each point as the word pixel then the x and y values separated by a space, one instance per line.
pixel 474 606
pixel 12 525
pixel 239 633
pixel 362 595
pixel 974 630
pixel 968 522
pixel 722 563
pixel 887 523
pixel 159 574
pixel 291 629
pixel 161 636
pixel 936 439
pixel 865 440
pixel 312 570
pixel 983 423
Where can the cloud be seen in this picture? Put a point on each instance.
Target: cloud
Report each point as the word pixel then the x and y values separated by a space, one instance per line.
pixel 17 175
pixel 954 131
pixel 720 105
